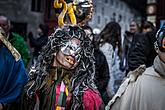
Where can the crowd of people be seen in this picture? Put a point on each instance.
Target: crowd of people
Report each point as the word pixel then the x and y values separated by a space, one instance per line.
pixel 74 68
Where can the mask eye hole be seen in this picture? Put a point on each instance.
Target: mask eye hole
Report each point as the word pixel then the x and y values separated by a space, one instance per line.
pixel 163 43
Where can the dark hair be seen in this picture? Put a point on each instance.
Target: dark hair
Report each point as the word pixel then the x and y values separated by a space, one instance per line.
pixel 94 39
pixel 112 34
pixel 148 24
pixel 87 27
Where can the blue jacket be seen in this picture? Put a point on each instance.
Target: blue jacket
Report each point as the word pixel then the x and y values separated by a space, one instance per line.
pixel 13 77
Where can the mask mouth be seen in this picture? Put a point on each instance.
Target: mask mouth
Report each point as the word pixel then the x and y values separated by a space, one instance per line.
pixel 70 60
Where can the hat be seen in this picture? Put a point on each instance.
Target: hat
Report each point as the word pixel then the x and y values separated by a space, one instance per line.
pixel 160 37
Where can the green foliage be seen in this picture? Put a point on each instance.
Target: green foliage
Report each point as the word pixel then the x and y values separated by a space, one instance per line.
pixel 19 43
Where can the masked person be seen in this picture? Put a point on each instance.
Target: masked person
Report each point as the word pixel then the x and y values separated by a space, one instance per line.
pixel 64 75
pixel 13 75
pixel 15 39
pixel 144 89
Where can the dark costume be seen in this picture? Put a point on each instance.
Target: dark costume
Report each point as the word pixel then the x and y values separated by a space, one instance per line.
pixel 102 74
pixel 56 88
pixel 142 51
pixel 128 36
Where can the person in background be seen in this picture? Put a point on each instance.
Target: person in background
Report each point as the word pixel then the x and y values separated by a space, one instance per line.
pixel 144 88
pixel 102 74
pixel 148 26
pixel 15 39
pixel 142 48
pixel 110 45
pixel 128 38
pixel 39 41
pixel 134 27
pixel 13 75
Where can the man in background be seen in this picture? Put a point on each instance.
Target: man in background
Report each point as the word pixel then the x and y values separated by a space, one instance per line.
pixel 15 39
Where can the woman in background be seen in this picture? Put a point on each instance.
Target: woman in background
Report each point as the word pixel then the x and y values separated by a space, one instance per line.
pixel 110 44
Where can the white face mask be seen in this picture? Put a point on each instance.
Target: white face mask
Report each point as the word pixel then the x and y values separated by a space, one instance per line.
pixel 72 49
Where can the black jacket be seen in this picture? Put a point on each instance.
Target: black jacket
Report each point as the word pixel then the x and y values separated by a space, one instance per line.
pixel 102 74
pixel 128 36
pixel 142 50
pixel 102 70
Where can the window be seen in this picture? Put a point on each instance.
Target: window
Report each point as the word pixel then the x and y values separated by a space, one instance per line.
pixel 106 1
pixel 112 2
pixel 36 5
pixel 102 11
pixel 99 1
pixel 120 18
pixel 121 6
pixel 124 18
pixel 95 8
pixel 51 12
pixel 98 19
pixel 116 4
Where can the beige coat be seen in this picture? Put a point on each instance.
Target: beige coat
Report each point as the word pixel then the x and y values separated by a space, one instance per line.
pixel 143 90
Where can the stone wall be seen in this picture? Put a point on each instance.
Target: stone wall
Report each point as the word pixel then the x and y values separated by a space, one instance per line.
pixel 19 11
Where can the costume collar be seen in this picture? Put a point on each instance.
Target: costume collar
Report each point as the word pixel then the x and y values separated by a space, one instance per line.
pixel 159 67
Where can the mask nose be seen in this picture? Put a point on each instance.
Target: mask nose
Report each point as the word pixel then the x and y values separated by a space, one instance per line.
pixel 73 53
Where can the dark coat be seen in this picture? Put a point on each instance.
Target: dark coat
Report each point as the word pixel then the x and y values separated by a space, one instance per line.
pixel 128 36
pixel 101 74
pixel 142 50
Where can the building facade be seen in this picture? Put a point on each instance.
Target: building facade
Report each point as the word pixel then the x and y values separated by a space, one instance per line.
pixel 160 15
pixel 113 10
pixel 25 15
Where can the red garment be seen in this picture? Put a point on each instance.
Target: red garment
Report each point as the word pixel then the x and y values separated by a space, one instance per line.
pixel 57 93
pixel 91 99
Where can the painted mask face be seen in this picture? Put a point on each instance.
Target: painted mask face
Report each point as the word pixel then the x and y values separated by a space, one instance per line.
pixel 69 55
pixel 161 41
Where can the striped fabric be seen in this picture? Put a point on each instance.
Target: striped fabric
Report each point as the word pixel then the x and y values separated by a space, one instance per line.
pixel 62 97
